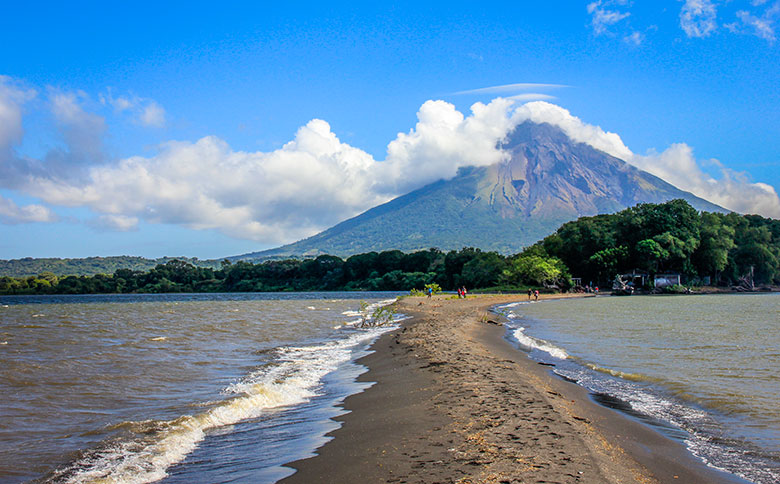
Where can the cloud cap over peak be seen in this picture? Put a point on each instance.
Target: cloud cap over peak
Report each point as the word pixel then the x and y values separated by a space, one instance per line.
pixel 316 180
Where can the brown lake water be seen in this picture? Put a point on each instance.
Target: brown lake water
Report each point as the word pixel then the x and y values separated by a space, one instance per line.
pixel 179 388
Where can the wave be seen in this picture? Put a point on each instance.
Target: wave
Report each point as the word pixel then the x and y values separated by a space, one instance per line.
pixel 659 403
pixel 637 377
pixel 538 344
pixel 147 449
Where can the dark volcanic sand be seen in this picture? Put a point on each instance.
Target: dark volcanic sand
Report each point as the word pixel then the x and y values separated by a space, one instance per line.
pixel 456 403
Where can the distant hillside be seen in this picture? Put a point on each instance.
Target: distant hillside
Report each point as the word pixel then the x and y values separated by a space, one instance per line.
pixel 548 180
pixel 88 266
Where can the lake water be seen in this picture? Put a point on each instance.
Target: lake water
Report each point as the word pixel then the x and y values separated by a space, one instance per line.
pixel 183 388
pixel 703 369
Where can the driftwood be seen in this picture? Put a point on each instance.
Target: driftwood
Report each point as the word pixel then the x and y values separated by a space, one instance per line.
pixel 621 288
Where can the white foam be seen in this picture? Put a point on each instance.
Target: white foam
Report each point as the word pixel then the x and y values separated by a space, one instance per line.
pixel 514 304
pixel 295 377
pixel 693 421
pixel 539 344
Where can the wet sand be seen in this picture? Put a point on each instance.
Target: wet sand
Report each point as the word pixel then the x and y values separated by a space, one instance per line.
pixel 454 402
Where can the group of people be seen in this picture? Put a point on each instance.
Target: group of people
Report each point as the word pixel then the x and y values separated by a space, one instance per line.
pixel 462 292
pixel 534 293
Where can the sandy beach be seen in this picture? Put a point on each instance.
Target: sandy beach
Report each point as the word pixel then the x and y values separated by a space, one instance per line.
pixel 454 402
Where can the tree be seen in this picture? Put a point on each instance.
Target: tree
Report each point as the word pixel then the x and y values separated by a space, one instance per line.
pixel 534 270
pixel 575 242
pixel 454 262
pixel 650 254
pixel 679 251
pixel 717 239
pixel 608 262
pixel 483 270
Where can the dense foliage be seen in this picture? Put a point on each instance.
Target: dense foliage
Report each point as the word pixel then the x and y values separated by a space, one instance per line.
pixel 373 271
pixel 88 266
pixel 654 238
pixel 671 237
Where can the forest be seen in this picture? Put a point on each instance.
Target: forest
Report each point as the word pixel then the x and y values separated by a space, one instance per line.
pixel 672 237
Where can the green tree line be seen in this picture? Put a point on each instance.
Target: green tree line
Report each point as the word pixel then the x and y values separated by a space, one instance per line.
pixel 88 266
pixel 671 237
pixel 657 238
pixel 390 270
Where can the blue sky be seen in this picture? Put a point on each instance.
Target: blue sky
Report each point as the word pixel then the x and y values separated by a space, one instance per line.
pixel 190 129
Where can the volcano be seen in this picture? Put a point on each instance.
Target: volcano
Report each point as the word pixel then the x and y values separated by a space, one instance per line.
pixel 547 180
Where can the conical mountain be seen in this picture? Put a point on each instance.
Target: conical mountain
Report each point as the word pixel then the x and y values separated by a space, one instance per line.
pixel 547 180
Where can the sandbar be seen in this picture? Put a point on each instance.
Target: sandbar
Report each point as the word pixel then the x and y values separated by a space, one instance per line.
pixel 455 402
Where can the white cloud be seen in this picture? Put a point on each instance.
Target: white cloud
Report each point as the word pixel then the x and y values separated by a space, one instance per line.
pixel 114 223
pixel 732 190
pixel 575 128
pixel 152 115
pixel 698 18
pixel 312 182
pixel 12 97
pixel 146 112
pixel 603 16
pixel 762 27
pixel 443 141
pixel 120 103
pixel 315 180
pixel 11 213
pixel 634 38
pixel 82 130
pixel 510 88
pixel 531 96
pixel 676 165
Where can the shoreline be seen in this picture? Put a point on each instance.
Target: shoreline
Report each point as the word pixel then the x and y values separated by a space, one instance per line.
pixel 454 401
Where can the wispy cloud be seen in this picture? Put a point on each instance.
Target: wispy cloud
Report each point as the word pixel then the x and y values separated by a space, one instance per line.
pixel 114 223
pixel 762 26
pixel 605 13
pixel 145 111
pixel 508 88
pixel 531 96
pixel 12 97
pixel 11 213
pixel 82 130
pixel 634 38
pixel 698 18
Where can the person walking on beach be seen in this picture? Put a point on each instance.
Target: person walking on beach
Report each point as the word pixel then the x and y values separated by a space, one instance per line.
pixel 430 292
pixel 460 293
pixel 530 293
pixel 536 295
pixel 463 290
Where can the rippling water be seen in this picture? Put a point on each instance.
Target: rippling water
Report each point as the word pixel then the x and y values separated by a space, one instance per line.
pixel 141 388
pixel 703 367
